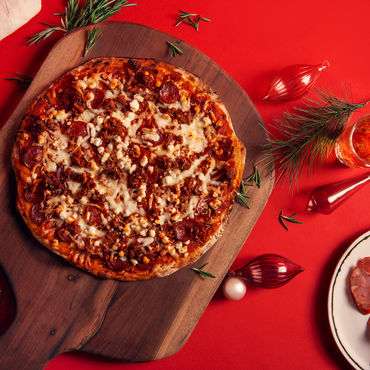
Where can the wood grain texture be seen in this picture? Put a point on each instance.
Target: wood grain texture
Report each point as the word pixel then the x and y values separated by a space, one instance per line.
pixel 61 308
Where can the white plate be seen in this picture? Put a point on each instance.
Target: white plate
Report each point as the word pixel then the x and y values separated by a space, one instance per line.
pixel 348 325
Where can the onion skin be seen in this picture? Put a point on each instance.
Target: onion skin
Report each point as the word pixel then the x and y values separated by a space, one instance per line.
pixel 268 271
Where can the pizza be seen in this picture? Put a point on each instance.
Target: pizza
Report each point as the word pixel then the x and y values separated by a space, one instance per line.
pixel 127 168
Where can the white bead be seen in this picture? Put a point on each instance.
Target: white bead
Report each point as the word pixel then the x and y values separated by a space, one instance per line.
pixel 234 288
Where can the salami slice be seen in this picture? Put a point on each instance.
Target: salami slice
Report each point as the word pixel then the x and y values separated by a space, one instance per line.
pixel 360 285
pixel 77 128
pixel 169 93
pixel 36 214
pixel 32 155
pixel 98 98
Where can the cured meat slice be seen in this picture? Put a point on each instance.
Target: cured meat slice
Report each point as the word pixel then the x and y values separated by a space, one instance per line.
pixel 169 93
pixel 360 285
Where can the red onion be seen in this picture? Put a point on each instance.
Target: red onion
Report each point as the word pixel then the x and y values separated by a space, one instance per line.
pixel 268 271
pixel 293 82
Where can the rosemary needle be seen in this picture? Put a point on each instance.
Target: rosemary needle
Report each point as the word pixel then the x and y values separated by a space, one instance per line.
pixel 255 177
pixel 290 218
pixel 242 195
pixel 191 19
pixel 202 273
pixel 175 49
pixel 92 38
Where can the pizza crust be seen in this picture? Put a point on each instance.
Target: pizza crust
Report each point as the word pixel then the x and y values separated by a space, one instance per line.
pixel 189 87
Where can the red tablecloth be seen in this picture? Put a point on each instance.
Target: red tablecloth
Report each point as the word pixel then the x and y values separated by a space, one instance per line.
pixel 268 329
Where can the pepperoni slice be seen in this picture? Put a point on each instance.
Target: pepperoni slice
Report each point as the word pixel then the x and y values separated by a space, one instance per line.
pixel 98 98
pixel 183 230
pixel 36 215
pixel 94 215
pixel 360 285
pixel 169 93
pixel 32 155
pixel 223 150
pixel 77 128
pixel 34 195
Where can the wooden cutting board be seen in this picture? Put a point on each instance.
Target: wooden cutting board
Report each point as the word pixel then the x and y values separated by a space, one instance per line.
pixel 61 308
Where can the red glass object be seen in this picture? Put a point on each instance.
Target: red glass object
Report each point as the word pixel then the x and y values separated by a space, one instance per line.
pixel 7 304
pixel 327 198
pixel 268 271
pixel 352 148
pixel 293 82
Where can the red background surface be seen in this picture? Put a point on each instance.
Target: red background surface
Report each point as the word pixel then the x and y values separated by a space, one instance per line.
pixel 252 41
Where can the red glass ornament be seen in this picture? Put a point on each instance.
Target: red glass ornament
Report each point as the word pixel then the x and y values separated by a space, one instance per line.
pixel 293 82
pixel 325 199
pixel 7 304
pixel 268 271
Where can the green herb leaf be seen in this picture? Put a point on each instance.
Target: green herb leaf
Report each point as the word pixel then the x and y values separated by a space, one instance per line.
pixel 92 38
pixel 76 16
pixel 255 177
pixel 202 273
pixel 175 49
pixel 243 198
pixel 182 17
pixel 290 218
pixel 191 19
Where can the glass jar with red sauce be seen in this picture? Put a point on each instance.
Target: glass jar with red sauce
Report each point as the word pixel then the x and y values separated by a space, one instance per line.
pixel 353 147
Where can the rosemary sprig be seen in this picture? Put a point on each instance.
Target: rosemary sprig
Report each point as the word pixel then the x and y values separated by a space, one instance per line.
pixel 191 19
pixel 243 197
pixel 76 16
pixel 23 81
pixel 183 16
pixel 92 38
pixel 202 273
pixel 175 48
pixel 254 177
pixel 307 135
pixel 290 218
